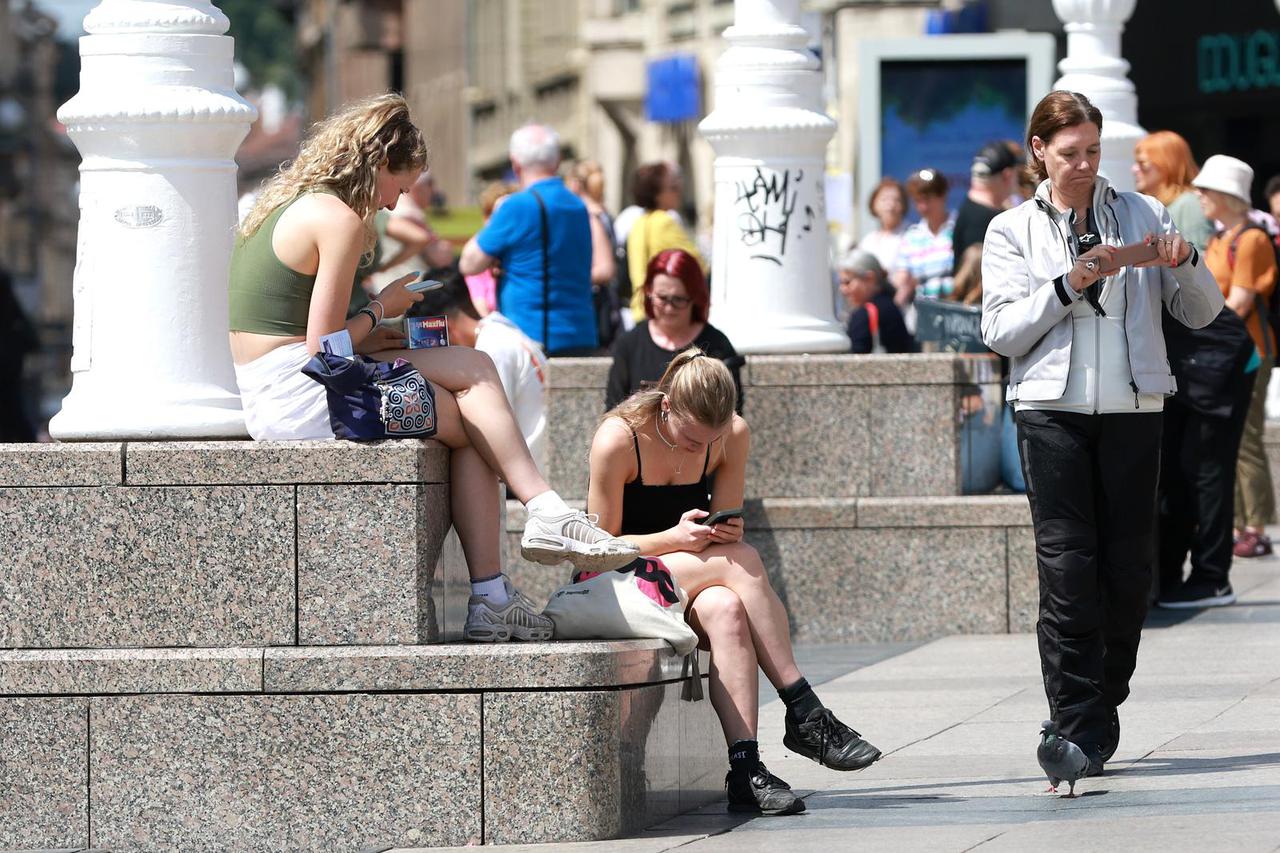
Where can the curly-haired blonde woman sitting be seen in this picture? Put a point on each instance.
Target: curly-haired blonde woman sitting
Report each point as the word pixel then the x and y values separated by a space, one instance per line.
pixel 652 462
pixel 291 274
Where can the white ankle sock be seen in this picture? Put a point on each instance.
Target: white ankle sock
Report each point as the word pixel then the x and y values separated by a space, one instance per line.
pixel 548 504
pixel 493 589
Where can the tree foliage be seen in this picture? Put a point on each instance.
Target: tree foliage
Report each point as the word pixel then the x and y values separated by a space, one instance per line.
pixel 265 42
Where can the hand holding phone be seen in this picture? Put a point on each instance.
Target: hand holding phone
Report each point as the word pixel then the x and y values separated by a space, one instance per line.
pixel 723 515
pixel 424 285
pixel 1132 255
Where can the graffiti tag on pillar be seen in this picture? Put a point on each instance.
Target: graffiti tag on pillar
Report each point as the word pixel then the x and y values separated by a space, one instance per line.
pixel 765 204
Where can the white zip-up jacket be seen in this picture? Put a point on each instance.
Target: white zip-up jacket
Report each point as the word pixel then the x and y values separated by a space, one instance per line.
pixel 1064 355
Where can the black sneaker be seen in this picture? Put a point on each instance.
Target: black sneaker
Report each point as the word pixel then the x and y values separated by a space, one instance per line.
pixel 829 742
pixel 759 791
pixel 1112 743
pixel 1096 761
pixel 1194 594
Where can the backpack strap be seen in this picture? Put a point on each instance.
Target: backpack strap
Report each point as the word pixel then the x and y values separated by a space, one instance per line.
pixel 546 275
pixel 1260 307
pixel 873 321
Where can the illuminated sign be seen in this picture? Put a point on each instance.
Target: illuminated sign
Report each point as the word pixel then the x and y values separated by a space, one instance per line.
pixel 1239 62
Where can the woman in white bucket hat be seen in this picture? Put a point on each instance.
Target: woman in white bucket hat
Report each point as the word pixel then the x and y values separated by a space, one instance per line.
pixel 1241 258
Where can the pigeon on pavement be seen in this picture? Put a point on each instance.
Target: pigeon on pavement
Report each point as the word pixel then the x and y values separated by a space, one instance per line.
pixel 1061 760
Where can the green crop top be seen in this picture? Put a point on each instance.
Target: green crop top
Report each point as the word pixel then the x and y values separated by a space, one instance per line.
pixel 266 297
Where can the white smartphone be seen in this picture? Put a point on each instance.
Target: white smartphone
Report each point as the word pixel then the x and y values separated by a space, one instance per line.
pixel 424 285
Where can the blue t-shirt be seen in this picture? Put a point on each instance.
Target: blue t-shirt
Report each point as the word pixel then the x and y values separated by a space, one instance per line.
pixel 514 236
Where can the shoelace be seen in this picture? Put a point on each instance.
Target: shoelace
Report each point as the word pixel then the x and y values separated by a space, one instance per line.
pixel 833 731
pixel 761 777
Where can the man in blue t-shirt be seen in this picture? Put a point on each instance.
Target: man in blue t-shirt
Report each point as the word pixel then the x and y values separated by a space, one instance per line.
pixel 552 307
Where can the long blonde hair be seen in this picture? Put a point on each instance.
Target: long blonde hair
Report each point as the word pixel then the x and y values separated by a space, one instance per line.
pixel 343 153
pixel 697 387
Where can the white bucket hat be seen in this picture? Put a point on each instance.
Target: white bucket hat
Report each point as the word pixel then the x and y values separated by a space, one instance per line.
pixel 1226 175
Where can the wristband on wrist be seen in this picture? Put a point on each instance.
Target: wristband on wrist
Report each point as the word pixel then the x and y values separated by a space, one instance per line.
pixel 382 310
pixel 372 317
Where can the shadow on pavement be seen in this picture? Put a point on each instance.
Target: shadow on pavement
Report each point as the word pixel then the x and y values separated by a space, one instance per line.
pixel 1160 766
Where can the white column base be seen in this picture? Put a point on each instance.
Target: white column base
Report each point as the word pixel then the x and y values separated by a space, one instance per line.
pixel 203 412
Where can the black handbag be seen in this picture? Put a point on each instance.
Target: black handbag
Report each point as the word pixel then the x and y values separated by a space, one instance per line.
pixel 371 400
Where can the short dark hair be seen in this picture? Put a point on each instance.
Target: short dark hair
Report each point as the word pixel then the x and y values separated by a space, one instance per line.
pixel 927 181
pixel 1273 187
pixel 649 181
pixel 1057 111
pixel 453 298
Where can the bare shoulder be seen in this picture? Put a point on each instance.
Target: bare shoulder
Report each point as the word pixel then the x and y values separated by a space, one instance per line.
pixel 738 434
pixel 612 436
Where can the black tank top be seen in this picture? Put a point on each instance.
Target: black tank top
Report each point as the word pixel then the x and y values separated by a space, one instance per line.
pixel 652 509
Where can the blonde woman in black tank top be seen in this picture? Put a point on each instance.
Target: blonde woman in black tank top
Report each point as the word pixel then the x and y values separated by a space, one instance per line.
pixel 296 289
pixel 652 460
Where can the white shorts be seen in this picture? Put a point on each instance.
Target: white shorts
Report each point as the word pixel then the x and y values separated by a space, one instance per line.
pixel 280 402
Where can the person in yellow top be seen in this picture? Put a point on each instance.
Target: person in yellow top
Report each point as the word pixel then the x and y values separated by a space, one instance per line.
pixel 657 188
pixel 1241 258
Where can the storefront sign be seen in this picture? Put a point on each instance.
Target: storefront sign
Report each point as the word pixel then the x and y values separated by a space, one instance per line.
pixel 1239 62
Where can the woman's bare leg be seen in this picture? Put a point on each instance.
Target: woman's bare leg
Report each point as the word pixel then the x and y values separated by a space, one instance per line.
pixel 473 492
pixel 718 616
pixel 739 568
pixel 485 413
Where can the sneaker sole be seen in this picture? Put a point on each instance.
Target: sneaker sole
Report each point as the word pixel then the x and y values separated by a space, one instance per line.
pixel 1215 601
pixel 751 808
pixel 487 634
pixel 531 635
pixel 791 745
pixel 550 552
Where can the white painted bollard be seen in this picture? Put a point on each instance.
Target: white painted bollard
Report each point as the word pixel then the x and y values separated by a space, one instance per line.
pixel 157 121
pixel 770 282
pixel 1094 68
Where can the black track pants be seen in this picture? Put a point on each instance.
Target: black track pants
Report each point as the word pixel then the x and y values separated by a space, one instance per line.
pixel 1091 481
pixel 1198 490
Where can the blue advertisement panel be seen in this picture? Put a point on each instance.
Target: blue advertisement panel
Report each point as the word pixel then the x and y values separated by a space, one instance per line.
pixel 939 113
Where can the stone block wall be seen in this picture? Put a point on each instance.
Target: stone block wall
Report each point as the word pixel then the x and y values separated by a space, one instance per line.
pixel 833 426
pixel 221 645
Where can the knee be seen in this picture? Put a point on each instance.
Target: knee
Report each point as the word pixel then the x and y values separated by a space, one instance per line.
pixel 744 558
pixel 721 614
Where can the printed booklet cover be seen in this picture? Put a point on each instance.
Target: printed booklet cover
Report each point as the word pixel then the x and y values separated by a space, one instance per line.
pixel 424 332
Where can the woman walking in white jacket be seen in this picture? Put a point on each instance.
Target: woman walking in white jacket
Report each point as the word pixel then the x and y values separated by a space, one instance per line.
pixel 1088 379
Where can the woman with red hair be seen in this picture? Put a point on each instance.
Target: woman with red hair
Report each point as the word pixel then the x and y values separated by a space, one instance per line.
pixel 1164 167
pixel 676 304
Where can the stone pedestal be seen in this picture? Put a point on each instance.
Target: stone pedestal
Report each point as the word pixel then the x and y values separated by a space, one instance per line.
pixel 222 645
pixel 158 122
pixel 770 282
pixel 1093 67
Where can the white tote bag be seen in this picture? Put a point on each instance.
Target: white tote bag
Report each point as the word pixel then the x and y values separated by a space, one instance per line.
pixel 641 600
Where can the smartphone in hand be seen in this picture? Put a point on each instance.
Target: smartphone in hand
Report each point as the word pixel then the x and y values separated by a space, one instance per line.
pixel 424 285
pixel 1134 253
pixel 722 515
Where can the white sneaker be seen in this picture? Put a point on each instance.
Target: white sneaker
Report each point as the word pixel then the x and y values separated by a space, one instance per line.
pixel 577 538
pixel 518 619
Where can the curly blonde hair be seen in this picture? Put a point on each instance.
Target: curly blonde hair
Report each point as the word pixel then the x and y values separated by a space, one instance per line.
pixel 343 153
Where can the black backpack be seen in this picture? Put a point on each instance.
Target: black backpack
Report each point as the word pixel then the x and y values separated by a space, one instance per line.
pixel 1270 306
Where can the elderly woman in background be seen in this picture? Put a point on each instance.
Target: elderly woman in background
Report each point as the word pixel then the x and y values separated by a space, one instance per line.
pixel 657 188
pixel 888 204
pixel 1163 167
pixel 875 322
pixel 1088 378
pixel 1243 262
pixel 676 304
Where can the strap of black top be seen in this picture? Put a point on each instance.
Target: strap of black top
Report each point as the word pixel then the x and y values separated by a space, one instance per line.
pixel 635 442
pixel 546 275
pixel 706 463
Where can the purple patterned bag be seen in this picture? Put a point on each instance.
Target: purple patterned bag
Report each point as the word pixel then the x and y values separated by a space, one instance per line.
pixel 371 400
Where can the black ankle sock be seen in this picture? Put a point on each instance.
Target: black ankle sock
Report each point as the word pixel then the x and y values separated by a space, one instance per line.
pixel 744 754
pixel 800 700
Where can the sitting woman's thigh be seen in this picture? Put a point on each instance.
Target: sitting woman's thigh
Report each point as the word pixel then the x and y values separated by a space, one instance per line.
pixel 717 565
pixel 456 368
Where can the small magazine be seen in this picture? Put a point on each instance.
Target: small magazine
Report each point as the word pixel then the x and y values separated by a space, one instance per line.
pixel 338 343
pixel 426 332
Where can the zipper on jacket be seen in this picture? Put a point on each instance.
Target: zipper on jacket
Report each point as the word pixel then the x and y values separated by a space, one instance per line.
pixel 1124 315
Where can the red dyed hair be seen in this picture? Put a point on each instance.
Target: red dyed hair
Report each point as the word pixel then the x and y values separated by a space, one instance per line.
pixel 678 263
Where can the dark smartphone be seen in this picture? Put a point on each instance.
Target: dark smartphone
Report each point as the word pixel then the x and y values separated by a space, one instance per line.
pixel 722 515
pixel 1134 253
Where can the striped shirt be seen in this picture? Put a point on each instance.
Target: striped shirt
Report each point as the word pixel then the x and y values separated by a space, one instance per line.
pixel 928 257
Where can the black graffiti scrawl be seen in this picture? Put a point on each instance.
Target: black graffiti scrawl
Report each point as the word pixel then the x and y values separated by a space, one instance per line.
pixel 765 206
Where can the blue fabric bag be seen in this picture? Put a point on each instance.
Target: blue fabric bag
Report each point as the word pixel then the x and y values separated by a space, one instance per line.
pixel 371 400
